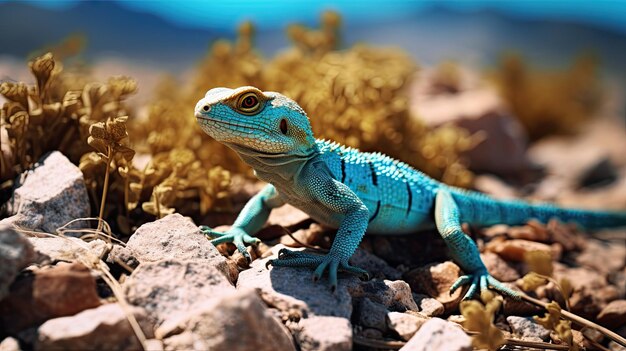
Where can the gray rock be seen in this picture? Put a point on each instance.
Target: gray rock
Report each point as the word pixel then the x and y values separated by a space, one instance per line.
pixel 375 266
pixel 52 194
pixel 121 254
pixel 9 344
pixel 174 237
pixel 16 253
pixel 405 324
pixel 289 289
pixel 324 334
pixel 168 287
pixel 527 328
pixel 371 314
pixel 439 335
pixel 102 328
pixel 239 321
pixel 67 249
pixel 428 306
pixel 395 295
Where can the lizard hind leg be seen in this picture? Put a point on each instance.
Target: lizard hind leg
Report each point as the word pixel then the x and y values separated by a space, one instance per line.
pixel 464 250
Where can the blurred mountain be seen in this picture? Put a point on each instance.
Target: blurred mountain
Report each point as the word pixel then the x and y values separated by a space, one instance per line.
pixel 429 34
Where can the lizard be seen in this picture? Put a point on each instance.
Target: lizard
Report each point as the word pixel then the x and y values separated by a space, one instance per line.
pixel 355 192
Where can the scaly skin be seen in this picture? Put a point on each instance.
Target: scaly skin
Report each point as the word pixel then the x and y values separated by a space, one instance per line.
pixel 353 191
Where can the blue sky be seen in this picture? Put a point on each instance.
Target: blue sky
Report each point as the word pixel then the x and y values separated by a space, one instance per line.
pixel 268 14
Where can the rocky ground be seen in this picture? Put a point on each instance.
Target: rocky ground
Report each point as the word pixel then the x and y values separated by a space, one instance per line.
pixel 168 288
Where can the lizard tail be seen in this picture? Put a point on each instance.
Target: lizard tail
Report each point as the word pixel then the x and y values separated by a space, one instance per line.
pixel 483 210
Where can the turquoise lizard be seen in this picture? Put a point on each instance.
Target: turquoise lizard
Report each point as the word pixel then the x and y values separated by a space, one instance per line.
pixel 356 192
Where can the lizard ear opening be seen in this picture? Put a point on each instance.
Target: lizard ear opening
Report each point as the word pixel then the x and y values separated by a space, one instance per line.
pixel 283 126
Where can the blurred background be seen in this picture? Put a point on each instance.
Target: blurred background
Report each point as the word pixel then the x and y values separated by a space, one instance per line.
pixel 515 98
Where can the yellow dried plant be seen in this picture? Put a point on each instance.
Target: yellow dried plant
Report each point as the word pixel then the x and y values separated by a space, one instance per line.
pixel 548 102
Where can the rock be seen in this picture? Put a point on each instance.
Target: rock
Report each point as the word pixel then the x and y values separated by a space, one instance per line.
pixel 516 307
pixel 52 194
pixel 613 315
pixel 102 328
pixel 154 345
pixel 375 266
pixel 174 237
pixel 495 187
pixel 370 333
pixel 405 324
pixel 370 314
pixel 169 287
pixel 476 108
pixel 613 256
pixel 314 234
pixel 514 250
pixel 16 253
pixel 428 306
pixel 287 216
pixel 289 289
pixel 9 344
pixel 67 249
pixel 395 295
pixel 528 328
pixel 439 335
pixel 324 334
pixel 435 280
pixel 62 290
pixel 499 268
pixel 238 321
pixel 533 231
pixel 121 254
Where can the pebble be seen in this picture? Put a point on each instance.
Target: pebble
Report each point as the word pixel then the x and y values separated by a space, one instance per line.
pixel 439 335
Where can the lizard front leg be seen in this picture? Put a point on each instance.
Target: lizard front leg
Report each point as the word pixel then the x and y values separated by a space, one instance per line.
pixel 338 199
pixel 463 249
pixel 250 220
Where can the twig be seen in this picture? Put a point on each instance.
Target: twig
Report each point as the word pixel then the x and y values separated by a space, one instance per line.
pixel 105 186
pixel 91 260
pixel 314 248
pixel 395 345
pixel 580 320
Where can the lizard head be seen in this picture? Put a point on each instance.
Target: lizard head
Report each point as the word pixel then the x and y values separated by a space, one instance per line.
pixel 255 122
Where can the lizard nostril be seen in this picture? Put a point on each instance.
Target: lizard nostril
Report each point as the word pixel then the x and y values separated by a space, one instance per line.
pixel 206 108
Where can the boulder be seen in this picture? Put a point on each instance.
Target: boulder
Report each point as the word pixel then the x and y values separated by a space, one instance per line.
pixel 174 237
pixel 170 287
pixel 321 333
pixel 288 289
pixel 479 109
pixel 238 321
pixel 49 195
pixel 102 328
pixel 62 290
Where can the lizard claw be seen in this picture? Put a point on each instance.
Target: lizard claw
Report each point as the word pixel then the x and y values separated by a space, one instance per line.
pixel 331 263
pixel 480 281
pixel 234 235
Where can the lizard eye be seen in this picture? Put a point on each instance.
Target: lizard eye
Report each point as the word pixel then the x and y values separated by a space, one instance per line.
pixel 283 126
pixel 248 103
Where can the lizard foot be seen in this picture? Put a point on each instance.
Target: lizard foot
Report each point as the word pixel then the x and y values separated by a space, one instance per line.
pixel 479 281
pixel 234 235
pixel 332 262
